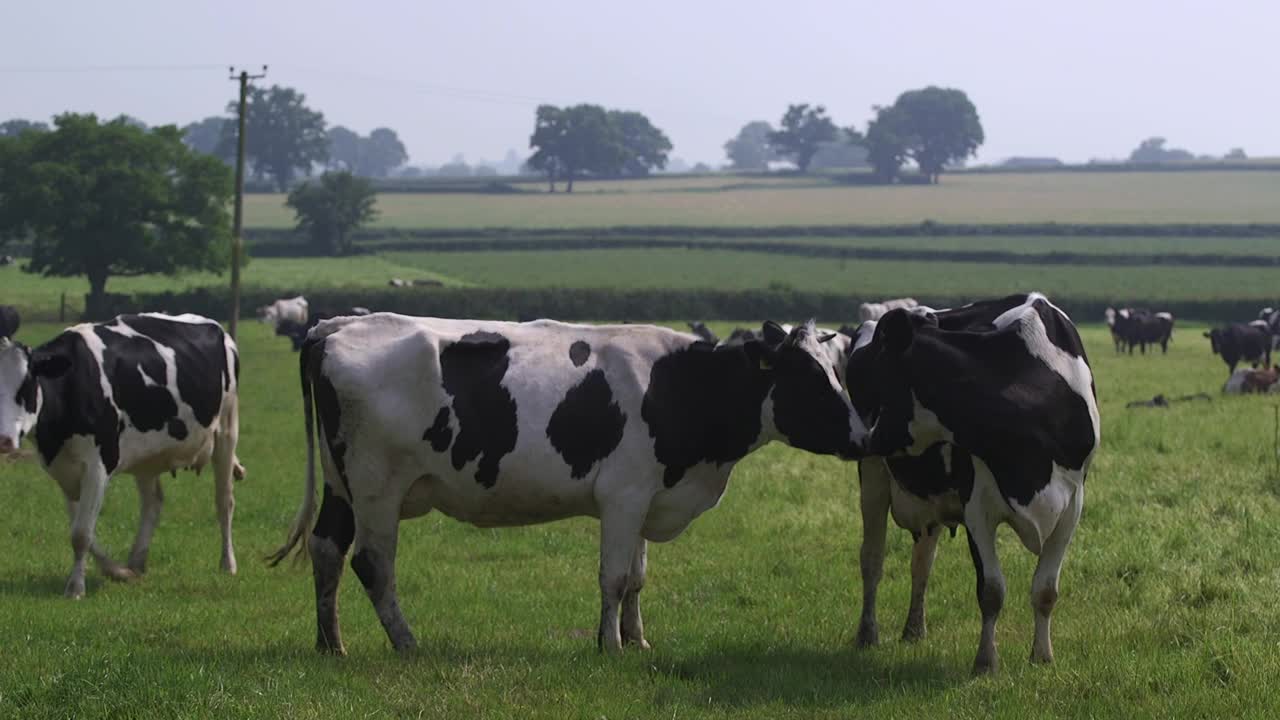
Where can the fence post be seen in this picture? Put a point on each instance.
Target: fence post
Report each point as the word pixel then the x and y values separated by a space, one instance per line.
pixel 62 308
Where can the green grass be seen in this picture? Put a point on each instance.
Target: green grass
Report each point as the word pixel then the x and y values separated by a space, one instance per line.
pixel 1208 197
pixel 1168 605
pixel 41 296
pixel 864 278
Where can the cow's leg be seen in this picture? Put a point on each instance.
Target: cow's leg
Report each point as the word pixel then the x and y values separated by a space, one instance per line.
pixel 328 545
pixel 150 499
pixel 225 464
pixel 922 554
pixel 632 625
pixel 84 519
pixel 990 583
pixel 1044 585
pixel 374 562
pixel 874 499
pixel 108 567
pixel 619 543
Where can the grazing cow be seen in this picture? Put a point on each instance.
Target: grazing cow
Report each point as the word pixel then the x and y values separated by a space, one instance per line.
pixel 700 329
pixel 297 332
pixel 874 311
pixel 397 283
pixel 293 309
pixel 1236 342
pixel 9 321
pixel 1271 318
pixel 140 394
pixel 502 424
pixel 1246 380
pixel 1115 322
pixel 981 415
pixel 6 260
pixel 1140 328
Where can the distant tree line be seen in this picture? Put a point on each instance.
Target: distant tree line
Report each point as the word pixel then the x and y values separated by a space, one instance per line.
pixel 932 127
pixel 589 141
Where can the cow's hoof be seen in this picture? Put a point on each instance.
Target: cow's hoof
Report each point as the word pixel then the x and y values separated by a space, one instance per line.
pixel 238 472
pixel 986 664
pixel 638 643
pixel 229 565
pixel 335 650
pixel 74 590
pixel 913 632
pixel 868 635
pixel 120 574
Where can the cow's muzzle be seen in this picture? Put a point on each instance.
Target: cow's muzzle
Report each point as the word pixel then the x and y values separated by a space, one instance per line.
pixel 7 445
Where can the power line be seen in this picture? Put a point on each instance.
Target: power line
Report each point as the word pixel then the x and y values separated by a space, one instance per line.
pixel 35 69
pixel 461 93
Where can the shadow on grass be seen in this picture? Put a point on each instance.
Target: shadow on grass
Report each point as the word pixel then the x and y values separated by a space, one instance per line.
pixel 46 585
pixel 746 675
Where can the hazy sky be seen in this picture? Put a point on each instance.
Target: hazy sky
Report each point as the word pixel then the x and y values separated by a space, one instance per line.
pixel 1077 79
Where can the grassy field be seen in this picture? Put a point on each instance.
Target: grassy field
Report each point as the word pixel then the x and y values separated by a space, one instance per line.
pixel 862 278
pixel 1168 605
pixel 1210 197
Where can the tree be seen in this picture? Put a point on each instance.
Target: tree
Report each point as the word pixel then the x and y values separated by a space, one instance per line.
pixel 887 141
pixel 328 210
pixel 750 149
pixel 943 127
pixel 573 141
pixel 110 199
pixel 846 151
pixel 17 126
pixel 1152 150
pixel 203 136
pixel 803 129
pixel 644 147
pixel 1235 154
pixel 344 148
pixel 284 136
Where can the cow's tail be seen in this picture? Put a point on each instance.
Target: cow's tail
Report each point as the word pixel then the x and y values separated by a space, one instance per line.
pixel 302 522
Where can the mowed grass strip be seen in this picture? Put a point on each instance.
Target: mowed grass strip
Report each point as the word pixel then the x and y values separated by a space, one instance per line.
pixel 729 270
pixel 1191 197
pixel 1167 607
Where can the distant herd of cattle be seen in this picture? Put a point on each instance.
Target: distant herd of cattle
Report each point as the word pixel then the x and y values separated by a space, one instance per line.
pixel 636 425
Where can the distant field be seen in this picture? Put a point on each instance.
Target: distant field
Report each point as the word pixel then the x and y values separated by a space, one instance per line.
pixel 41 296
pixel 739 271
pixel 1221 197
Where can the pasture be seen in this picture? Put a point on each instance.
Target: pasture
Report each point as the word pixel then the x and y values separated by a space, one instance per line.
pixel 1168 605
pixel 1113 197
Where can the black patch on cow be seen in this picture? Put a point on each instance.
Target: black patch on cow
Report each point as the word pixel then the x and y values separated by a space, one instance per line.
pixel 366 565
pixel 579 351
pixel 177 429
pixel 587 424
pixel 703 405
pixel 125 359
pixel 328 410
pixel 74 403
pixel 10 321
pixel 977 562
pixel 926 475
pixel 26 395
pixel 471 371
pixel 806 408
pixel 1059 330
pixel 335 521
pixel 200 353
pixel 439 434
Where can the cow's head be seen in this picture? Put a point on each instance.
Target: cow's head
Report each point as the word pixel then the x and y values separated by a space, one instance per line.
pixel 881 385
pixel 1213 336
pixel 19 390
pixel 810 408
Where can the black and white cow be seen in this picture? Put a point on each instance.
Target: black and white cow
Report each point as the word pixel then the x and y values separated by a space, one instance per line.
pixel 140 394
pixel 1271 318
pixel 703 332
pixel 1237 341
pixel 1139 328
pixel 297 332
pixel 502 424
pixel 981 415
pixel 6 260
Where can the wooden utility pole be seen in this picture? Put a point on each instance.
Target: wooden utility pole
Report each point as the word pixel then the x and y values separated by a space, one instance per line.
pixel 237 241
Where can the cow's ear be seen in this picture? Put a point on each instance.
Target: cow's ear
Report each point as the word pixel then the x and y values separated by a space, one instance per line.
pixel 759 354
pixel 773 333
pixel 827 338
pixel 49 365
pixel 896 330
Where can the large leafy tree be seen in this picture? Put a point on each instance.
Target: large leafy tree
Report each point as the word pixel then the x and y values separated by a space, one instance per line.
pixel 887 141
pixel 204 135
pixel 803 130
pixel 284 136
pixel 750 149
pixel 570 142
pixel 1153 150
pixel 644 147
pixel 943 127
pixel 373 156
pixel 330 209
pixel 111 199
pixel 17 126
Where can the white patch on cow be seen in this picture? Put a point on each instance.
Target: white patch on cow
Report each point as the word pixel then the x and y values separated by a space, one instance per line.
pixel 1165 316
pixel 866 333
pixel 15 421
pixel 925 428
pixel 1110 316
pixel 1235 383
